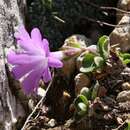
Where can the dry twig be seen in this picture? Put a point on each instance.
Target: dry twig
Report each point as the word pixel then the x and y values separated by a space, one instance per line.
pixel 102 8
pixel 106 8
pixel 104 23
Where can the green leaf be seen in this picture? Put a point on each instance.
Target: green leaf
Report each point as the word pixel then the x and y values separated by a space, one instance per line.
pixel 88 64
pixel 81 104
pixel 128 127
pixel 82 109
pixel 81 98
pixel 86 92
pixel 76 41
pixel 125 57
pixel 95 91
pixel 76 45
pixel 127 61
pixel 104 47
pixel 99 61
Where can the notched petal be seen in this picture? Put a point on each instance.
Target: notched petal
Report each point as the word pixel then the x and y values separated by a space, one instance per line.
pixel 36 35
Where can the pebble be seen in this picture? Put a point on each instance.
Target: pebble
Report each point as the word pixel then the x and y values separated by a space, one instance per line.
pixel 123 96
pixel 52 122
pixel 81 80
pixel 125 86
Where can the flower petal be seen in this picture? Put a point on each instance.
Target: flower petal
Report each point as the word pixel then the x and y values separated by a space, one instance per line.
pixel 20 59
pixel 37 38
pixel 53 62
pixel 58 55
pixel 46 75
pixel 31 48
pixel 36 35
pixel 24 40
pixel 46 46
pixel 26 45
pixel 21 70
pixel 22 33
pixel 30 83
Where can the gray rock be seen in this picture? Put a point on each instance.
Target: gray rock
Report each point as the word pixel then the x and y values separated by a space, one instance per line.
pixel 11 108
pixel 123 96
pixel 124 5
pixel 52 122
pixel 125 86
pixel 81 80
pixel 121 34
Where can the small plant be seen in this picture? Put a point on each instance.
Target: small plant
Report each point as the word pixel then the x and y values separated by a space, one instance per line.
pixel 94 61
pixel 84 99
pixel 81 103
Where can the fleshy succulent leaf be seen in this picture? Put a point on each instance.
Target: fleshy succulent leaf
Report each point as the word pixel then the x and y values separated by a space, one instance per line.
pixel 80 98
pixel 88 64
pixel 99 61
pixel 103 46
pixel 82 109
pixel 86 92
pixel 95 90
pixel 81 104
pixel 125 57
pixel 127 61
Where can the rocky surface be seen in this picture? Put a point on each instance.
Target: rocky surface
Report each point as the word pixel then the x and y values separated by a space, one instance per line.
pixel 124 5
pixel 123 96
pixel 125 86
pixel 81 80
pixel 11 108
pixel 121 34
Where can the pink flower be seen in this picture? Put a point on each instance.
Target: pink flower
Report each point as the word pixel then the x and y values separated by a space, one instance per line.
pixel 34 61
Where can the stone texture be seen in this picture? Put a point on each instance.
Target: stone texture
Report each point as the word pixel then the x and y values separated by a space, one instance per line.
pixel 121 34
pixel 124 5
pixel 81 80
pixel 125 86
pixel 123 96
pixel 11 108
